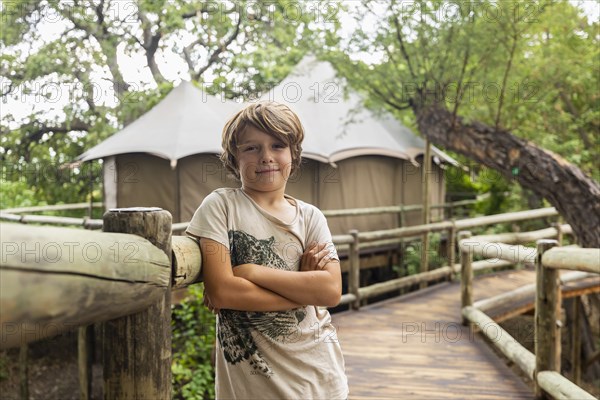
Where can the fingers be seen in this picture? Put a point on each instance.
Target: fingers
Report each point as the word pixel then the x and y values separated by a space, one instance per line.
pixel 316 257
pixel 324 260
pixel 310 258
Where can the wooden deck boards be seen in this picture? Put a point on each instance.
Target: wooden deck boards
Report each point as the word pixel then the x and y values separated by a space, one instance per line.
pixel 414 347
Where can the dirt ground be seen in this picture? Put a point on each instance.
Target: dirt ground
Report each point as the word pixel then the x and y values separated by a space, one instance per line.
pixel 53 371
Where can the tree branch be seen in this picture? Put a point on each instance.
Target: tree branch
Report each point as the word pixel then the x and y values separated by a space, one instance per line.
pixel 220 49
pixel 566 187
pixel 36 130
pixel 402 48
pixel 505 80
pixel 150 46
pixel 459 88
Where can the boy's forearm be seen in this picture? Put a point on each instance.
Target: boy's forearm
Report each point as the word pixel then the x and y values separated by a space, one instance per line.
pixel 243 295
pixel 317 288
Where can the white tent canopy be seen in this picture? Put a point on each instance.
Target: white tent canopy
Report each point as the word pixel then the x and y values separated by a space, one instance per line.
pixel 337 124
pixel 353 157
pixel 189 121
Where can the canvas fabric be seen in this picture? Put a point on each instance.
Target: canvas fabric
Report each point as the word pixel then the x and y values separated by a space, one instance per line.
pixel 367 181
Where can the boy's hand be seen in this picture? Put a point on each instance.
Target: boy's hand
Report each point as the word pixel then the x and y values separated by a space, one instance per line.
pixel 316 256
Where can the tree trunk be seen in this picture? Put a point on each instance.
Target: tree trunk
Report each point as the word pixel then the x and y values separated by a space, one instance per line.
pixel 566 187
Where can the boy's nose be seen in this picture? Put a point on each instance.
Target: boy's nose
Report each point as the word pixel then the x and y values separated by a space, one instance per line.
pixel 266 156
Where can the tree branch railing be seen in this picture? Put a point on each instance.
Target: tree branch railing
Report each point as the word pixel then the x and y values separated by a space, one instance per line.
pixel 56 279
pixel 355 241
pixel 53 280
pixel 543 367
pixel 13 214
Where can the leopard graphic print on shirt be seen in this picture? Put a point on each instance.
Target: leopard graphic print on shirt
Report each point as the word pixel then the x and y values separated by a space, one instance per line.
pixel 235 333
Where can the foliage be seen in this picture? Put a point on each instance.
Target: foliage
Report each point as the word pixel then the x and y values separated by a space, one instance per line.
pixel 529 67
pixel 67 83
pixel 16 194
pixel 193 339
pixel 412 255
pixel 3 367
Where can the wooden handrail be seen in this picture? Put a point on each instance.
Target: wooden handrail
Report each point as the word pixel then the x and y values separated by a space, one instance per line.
pixel 108 288
pixel 469 223
pixel 547 311
pixel 509 346
pixel 395 209
pixel 587 260
pixel 543 367
pixel 560 387
pixel 87 277
pixel 12 214
pixel 53 207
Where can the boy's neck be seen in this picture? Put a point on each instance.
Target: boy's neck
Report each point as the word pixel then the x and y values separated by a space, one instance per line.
pixel 273 198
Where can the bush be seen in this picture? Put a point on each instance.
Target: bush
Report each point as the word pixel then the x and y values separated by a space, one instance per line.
pixel 193 338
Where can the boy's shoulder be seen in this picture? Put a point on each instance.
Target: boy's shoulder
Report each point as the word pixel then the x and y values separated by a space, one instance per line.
pixel 224 192
pixel 220 196
pixel 308 208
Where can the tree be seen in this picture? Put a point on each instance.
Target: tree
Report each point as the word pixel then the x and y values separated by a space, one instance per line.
pixel 64 58
pixel 484 79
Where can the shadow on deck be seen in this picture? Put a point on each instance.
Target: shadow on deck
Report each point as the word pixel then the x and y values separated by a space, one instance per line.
pixel 415 347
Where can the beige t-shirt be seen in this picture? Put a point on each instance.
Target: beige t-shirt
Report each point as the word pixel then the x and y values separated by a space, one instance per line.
pixel 291 354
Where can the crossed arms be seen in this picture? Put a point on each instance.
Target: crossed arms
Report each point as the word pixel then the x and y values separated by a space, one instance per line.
pixel 252 287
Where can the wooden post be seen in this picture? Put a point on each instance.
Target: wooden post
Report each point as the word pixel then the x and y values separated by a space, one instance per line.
pixel 576 341
pixel 547 303
pixel 400 216
pixel 354 272
pixel 400 250
pixel 85 360
pixel 24 371
pixel 559 233
pixel 466 275
pixel 426 211
pixel 452 246
pixel 137 348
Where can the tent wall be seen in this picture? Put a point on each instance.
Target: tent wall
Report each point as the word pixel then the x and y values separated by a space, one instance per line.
pixel 373 181
pixel 199 175
pixel 365 181
pixel 146 181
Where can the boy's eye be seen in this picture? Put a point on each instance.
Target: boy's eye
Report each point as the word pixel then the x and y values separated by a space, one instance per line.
pixel 280 145
pixel 249 148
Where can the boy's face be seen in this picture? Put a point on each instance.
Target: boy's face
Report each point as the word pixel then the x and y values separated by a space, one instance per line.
pixel 264 161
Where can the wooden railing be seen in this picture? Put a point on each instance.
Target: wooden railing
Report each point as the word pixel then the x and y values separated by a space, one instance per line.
pixel 356 241
pixel 56 279
pixel 543 367
pixel 15 214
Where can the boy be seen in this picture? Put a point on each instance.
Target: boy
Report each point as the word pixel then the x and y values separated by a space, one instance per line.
pixel 268 263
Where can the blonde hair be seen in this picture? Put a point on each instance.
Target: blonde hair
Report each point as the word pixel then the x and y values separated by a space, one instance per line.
pixel 275 119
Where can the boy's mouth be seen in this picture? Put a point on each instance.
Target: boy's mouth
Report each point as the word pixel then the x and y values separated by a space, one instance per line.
pixel 263 171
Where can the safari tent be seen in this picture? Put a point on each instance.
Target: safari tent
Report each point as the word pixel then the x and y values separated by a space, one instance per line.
pixel 352 157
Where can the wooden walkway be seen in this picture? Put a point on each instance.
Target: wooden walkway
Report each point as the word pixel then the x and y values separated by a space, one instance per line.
pixel 414 347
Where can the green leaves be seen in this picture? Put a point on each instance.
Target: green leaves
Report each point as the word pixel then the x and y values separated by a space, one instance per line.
pixel 528 67
pixel 64 62
pixel 193 340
